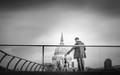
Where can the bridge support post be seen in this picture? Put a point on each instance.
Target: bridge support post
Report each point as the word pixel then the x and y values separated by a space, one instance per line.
pixel 43 57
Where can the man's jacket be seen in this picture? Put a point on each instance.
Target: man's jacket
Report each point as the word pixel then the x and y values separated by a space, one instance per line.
pixel 79 52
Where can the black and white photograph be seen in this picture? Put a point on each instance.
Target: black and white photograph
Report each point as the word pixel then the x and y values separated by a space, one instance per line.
pixel 59 36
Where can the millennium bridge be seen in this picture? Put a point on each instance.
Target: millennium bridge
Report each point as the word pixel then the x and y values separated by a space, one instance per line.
pixel 41 67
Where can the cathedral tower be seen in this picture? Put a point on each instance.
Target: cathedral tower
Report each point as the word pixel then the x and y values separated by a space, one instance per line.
pixel 61 40
pixel 59 53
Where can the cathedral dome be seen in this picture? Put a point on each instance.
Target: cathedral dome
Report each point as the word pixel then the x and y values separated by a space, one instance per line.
pixel 59 54
pixel 60 51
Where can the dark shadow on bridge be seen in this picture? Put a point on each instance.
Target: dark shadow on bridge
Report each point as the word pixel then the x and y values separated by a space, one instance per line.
pixel 58 73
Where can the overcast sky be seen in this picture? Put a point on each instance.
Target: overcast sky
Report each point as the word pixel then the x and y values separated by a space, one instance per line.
pixel 95 22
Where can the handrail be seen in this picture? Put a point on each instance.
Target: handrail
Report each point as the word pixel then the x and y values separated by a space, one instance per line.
pixel 16 64
pixel 43 46
pixel 60 45
pixel 17 57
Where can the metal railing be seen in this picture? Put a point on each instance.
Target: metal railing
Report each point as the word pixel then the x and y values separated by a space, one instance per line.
pixel 36 65
pixel 20 59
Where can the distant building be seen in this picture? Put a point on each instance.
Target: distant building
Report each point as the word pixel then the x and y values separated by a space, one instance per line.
pixel 108 64
pixel 58 59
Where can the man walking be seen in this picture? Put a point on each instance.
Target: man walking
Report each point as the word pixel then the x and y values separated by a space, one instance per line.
pixel 79 53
